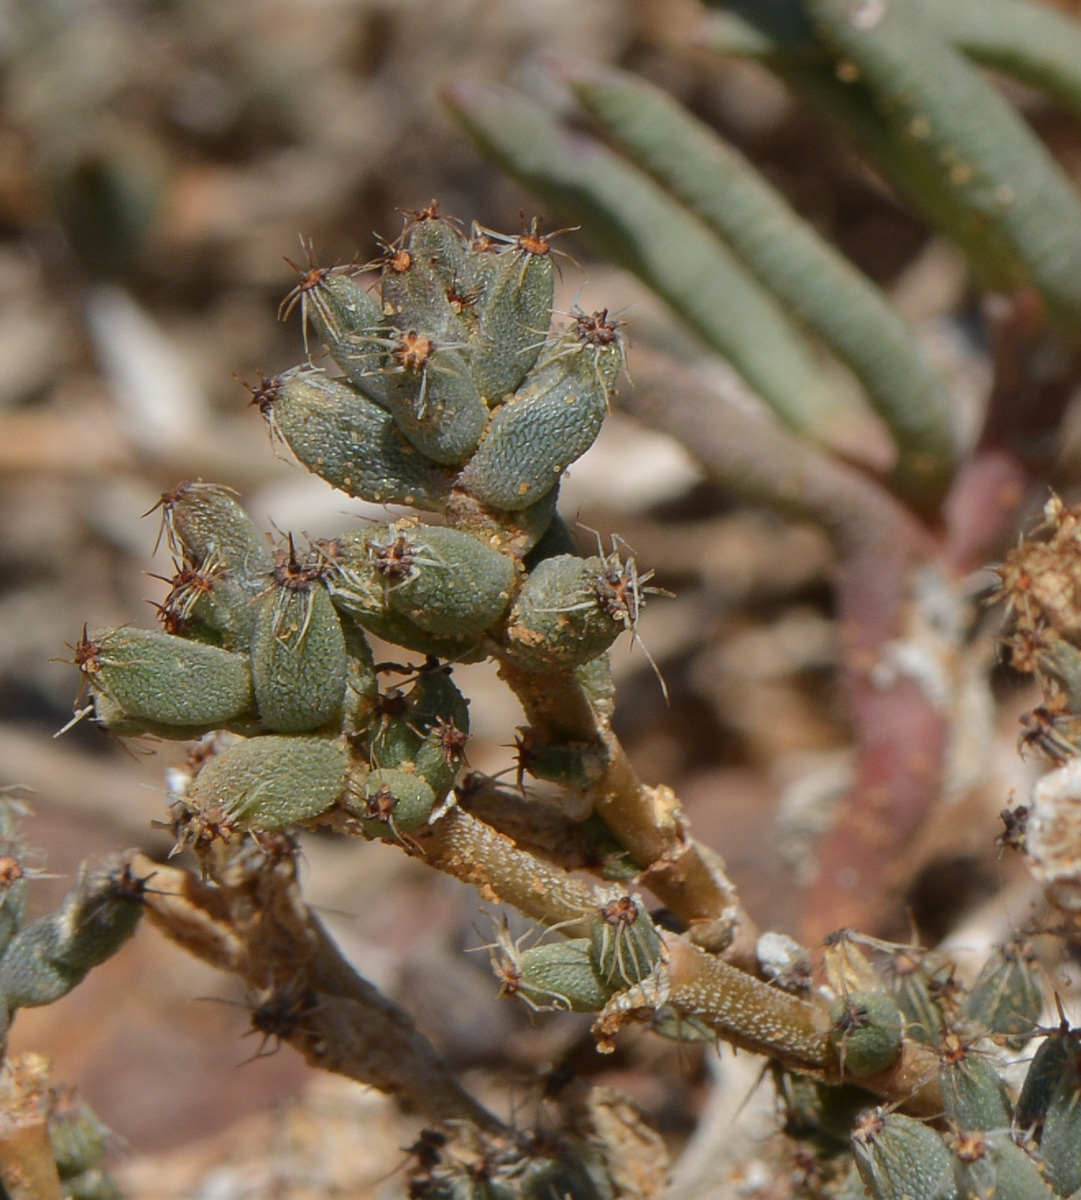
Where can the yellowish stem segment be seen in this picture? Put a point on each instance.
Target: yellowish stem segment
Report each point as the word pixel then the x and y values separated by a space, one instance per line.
pixel 648 822
pixel 746 1012
pixel 27 1167
pixel 475 853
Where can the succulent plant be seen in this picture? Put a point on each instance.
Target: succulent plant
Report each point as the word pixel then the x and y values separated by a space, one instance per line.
pixel 52 1145
pixel 266 657
pixel 666 197
pixel 451 393
pixel 456 396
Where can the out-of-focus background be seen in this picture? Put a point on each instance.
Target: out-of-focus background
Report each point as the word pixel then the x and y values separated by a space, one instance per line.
pixel 158 160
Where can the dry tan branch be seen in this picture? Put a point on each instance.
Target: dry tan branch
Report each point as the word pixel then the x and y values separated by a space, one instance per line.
pixel 260 929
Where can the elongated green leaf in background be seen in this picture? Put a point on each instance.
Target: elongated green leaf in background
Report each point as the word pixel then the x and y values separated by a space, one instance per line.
pixel 806 70
pixel 634 223
pixel 1022 38
pixel 735 37
pixel 989 217
pixel 941 105
pixel 765 28
pixel 813 280
pixel 906 167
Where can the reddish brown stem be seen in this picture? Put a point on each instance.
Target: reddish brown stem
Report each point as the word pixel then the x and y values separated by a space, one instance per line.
pixel 902 738
pixel 1036 373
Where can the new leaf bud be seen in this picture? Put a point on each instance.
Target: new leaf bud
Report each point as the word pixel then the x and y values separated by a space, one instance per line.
pixel 973 1093
pixel 514 316
pixel 991 1164
pixel 415 282
pixel 206 524
pixel 209 604
pixel 866 1030
pixel 532 439
pixel 349 321
pixel 571 764
pixel 352 443
pixel 359 590
pixel 441 579
pixel 1006 998
pixel 1060 1142
pixel 812 1109
pixel 439 250
pixel 900 1158
pixel 427 732
pixel 911 980
pixel 440 713
pixel 624 942
pixel 269 783
pixel 432 397
pixel 298 661
pixel 390 804
pixel 48 957
pixel 162 680
pixel 558 620
pixel 562 975
pixel 1059 1054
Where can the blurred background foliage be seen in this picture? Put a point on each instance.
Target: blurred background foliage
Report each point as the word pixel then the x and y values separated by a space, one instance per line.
pixel 158 160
